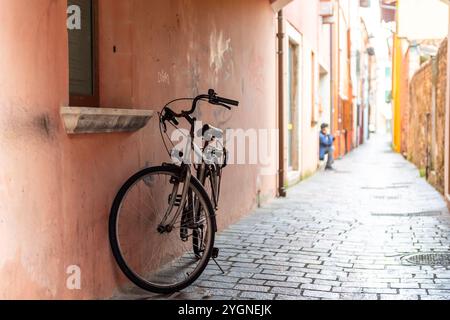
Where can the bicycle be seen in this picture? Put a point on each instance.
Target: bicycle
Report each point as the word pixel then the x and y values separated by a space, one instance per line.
pixel 162 222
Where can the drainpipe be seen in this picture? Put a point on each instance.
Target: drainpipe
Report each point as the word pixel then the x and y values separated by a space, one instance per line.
pixel 332 78
pixel 281 172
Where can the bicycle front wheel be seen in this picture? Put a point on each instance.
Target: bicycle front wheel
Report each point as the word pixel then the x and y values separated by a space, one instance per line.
pixel 157 249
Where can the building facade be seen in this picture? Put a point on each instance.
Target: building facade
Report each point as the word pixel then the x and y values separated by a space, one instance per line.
pixel 57 189
pixel 127 59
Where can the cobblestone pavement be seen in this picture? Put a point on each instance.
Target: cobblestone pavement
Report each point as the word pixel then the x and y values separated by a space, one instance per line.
pixel 338 235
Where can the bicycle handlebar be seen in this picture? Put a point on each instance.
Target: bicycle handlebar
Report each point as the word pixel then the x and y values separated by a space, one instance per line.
pixel 211 97
pixel 214 97
pixel 228 101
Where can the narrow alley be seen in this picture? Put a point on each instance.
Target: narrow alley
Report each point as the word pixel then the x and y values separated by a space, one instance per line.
pixel 339 235
pixel 238 150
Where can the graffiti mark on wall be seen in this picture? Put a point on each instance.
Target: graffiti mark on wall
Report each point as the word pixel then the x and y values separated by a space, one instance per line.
pixel 193 72
pixel 163 77
pixel 221 56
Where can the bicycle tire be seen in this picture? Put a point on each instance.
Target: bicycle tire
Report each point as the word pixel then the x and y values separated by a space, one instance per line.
pixel 113 236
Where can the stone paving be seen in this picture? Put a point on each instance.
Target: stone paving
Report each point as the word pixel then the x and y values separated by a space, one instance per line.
pixel 338 235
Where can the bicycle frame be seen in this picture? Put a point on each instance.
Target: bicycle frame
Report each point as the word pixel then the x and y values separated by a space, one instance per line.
pixel 204 170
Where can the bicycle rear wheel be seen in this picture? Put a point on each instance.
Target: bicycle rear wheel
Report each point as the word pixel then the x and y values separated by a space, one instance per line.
pixel 157 259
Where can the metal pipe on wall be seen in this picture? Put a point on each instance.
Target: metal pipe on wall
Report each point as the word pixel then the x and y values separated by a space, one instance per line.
pixel 281 127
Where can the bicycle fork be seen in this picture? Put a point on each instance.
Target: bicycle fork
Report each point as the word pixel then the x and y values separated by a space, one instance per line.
pixel 176 201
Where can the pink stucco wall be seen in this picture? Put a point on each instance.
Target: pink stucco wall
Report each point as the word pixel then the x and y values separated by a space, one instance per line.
pixel 304 17
pixel 56 190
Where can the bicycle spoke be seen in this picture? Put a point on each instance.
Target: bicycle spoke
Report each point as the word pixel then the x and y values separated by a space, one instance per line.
pixel 162 257
pixel 177 226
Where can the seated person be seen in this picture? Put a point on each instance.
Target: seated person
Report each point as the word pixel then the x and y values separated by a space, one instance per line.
pixel 326 146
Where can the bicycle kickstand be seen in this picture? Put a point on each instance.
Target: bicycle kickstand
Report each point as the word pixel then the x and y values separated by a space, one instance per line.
pixel 215 255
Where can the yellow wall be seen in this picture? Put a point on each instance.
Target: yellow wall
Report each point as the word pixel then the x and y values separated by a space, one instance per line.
pixel 396 94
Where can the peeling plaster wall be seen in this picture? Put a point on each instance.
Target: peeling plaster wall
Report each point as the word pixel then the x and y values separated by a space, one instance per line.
pixel 56 190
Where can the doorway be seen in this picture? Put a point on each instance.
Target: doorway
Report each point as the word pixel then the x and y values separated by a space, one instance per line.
pixel 293 107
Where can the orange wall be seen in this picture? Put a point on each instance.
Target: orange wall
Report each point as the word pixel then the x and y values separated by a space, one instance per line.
pixel 341 77
pixel 56 190
pixel 335 84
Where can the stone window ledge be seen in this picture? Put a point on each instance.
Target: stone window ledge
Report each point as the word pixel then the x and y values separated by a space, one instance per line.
pixel 79 120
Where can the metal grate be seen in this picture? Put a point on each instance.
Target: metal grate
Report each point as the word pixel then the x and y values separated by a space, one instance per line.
pixel 386 188
pixel 398 186
pixel 387 197
pixel 428 259
pixel 408 214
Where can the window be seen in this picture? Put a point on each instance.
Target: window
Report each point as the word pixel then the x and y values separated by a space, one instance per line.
pixel 83 55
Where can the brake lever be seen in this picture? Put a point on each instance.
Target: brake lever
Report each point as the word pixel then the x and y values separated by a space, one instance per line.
pixel 163 125
pixel 169 116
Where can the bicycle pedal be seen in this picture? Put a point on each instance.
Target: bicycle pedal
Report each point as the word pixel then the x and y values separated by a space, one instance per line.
pixel 184 234
pixel 215 253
